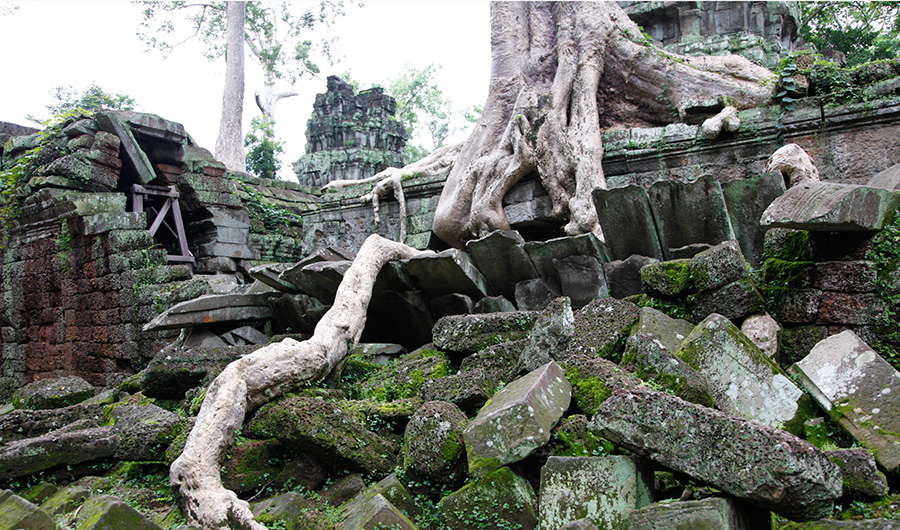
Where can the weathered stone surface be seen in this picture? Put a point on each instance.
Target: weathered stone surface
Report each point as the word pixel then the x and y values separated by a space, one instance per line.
pixel 24 457
pixel 501 258
pixel 794 164
pixel 517 420
pixel 245 335
pixel 581 278
pixel 392 490
pixel 480 376
pixel 740 378
pixel 53 393
pixel 145 431
pixel 764 331
pixel 451 304
pixel 343 489
pixel 289 507
pixel 534 295
pixel 594 379
pixel 746 200
pixel 319 279
pixel 888 179
pixel 214 309
pixel 602 489
pixel 500 499
pixel 627 222
pixel 133 155
pixel 470 333
pixel 581 524
pixel 714 513
pixel 549 337
pixel 861 475
pixel 689 214
pixel 270 274
pixel 623 277
pixel 433 447
pixel 650 354
pixel 718 266
pixel 104 512
pixel 449 271
pixel 846 276
pixel 403 377
pixel 66 500
pixel 829 206
pixel 859 389
pixel 494 304
pixel 763 465
pixel 542 253
pixel 734 301
pixel 376 512
pixel 601 328
pixel 16 513
pixel 325 429
pixel 174 370
pixel 667 278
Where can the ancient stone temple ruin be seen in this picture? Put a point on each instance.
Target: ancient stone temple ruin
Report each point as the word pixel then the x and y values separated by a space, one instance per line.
pixel 764 32
pixel 724 358
pixel 350 136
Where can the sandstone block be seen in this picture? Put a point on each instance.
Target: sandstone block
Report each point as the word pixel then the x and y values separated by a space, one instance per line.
pixel 449 271
pixel 859 389
pixel 20 514
pixel 627 222
pixel 829 206
pixel 376 512
pixel 501 258
pixel 104 512
pixel 861 475
pixel 500 499
pixel 714 513
pixel 718 266
pixel 763 465
pixel 517 420
pixel 53 393
pixel 741 379
pixel 470 333
pixel 601 328
pixel 601 489
pixel 433 447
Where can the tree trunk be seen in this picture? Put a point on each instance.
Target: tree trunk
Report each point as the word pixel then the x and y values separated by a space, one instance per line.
pixel 230 143
pixel 561 72
pixel 259 377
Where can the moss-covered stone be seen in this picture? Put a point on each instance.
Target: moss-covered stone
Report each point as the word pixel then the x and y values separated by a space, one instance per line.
pixel 786 273
pixel 499 500
pixel 573 438
pixel 472 333
pixel 251 464
pixel 337 436
pixel 402 378
pixel 433 447
pixel 718 266
pixel 593 380
pixel 108 513
pixel 667 278
pixel 16 513
pixel 53 393
pixel 788 245
pixel 601 328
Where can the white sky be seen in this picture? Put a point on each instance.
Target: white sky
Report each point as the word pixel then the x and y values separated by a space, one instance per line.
pixel 50 43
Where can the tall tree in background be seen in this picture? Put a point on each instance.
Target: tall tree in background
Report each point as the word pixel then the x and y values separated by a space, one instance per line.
pixel 862 31
pixel 230 142
pixel 276 36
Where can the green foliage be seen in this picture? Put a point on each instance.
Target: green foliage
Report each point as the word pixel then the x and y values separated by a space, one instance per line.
pixel 263 149
pixel 885 253
pixel 273 216
pixel 275 33
pixel 863 31
pixel 66 99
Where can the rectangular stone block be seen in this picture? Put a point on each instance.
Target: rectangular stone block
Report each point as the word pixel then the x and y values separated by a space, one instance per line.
pixel 859 389
pixel 627 222
pixel 602 489
pixel 715 513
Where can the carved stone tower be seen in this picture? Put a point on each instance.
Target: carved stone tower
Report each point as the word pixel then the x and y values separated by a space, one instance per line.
pixel 350 136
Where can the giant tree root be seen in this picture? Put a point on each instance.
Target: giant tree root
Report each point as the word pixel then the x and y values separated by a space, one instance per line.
pixel 257 378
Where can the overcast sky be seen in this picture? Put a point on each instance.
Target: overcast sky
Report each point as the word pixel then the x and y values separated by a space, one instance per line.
pixel 50 43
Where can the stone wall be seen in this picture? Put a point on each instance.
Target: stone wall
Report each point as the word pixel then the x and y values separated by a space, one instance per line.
pixel 764 32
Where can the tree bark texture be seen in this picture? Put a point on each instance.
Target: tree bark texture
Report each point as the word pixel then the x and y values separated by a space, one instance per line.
pixel 255 379
pixel 562 72
pixel 230 142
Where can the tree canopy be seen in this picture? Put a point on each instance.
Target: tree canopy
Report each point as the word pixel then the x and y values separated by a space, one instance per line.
pixel 862 31
pixel 67 98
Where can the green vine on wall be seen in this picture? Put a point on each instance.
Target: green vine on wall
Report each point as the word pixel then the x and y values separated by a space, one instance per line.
pixel 885 253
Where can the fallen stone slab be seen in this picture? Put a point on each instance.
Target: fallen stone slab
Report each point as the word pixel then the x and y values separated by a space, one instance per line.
pixel 667 278
pixel 517 420
pixel 594 379
pixel 549 337
pixel 376 512
pixel 270 274
pixel 480 376
pixel 31 455
pixel 66 500
pixel 131 151
pixel 18 513
pixel 714 513
pixel 104 512
pixel 214 309
pixel 23 423
pixel 176 370
pixel 831 207
pixel 718 266
pixel 581 278
pixel 501 258
pixel 392 490
pixel 741 379
pixel 433 447
pixel 245 335
pixel 536 294
pixel 53 393
pixel 601 489
pixel 500 499
pixel 765 466
pixel 471 333
pixel 623 277
pixel 888 179
pixel 860 472
pixel 601 328
pixel 543 253
pixel 859 389
pixel 627 222
pixel 689 214
pixel 746 200
pixel 319 279
pixel 650 355
pixel 733 301
pixel 327 430
pixel 446 272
